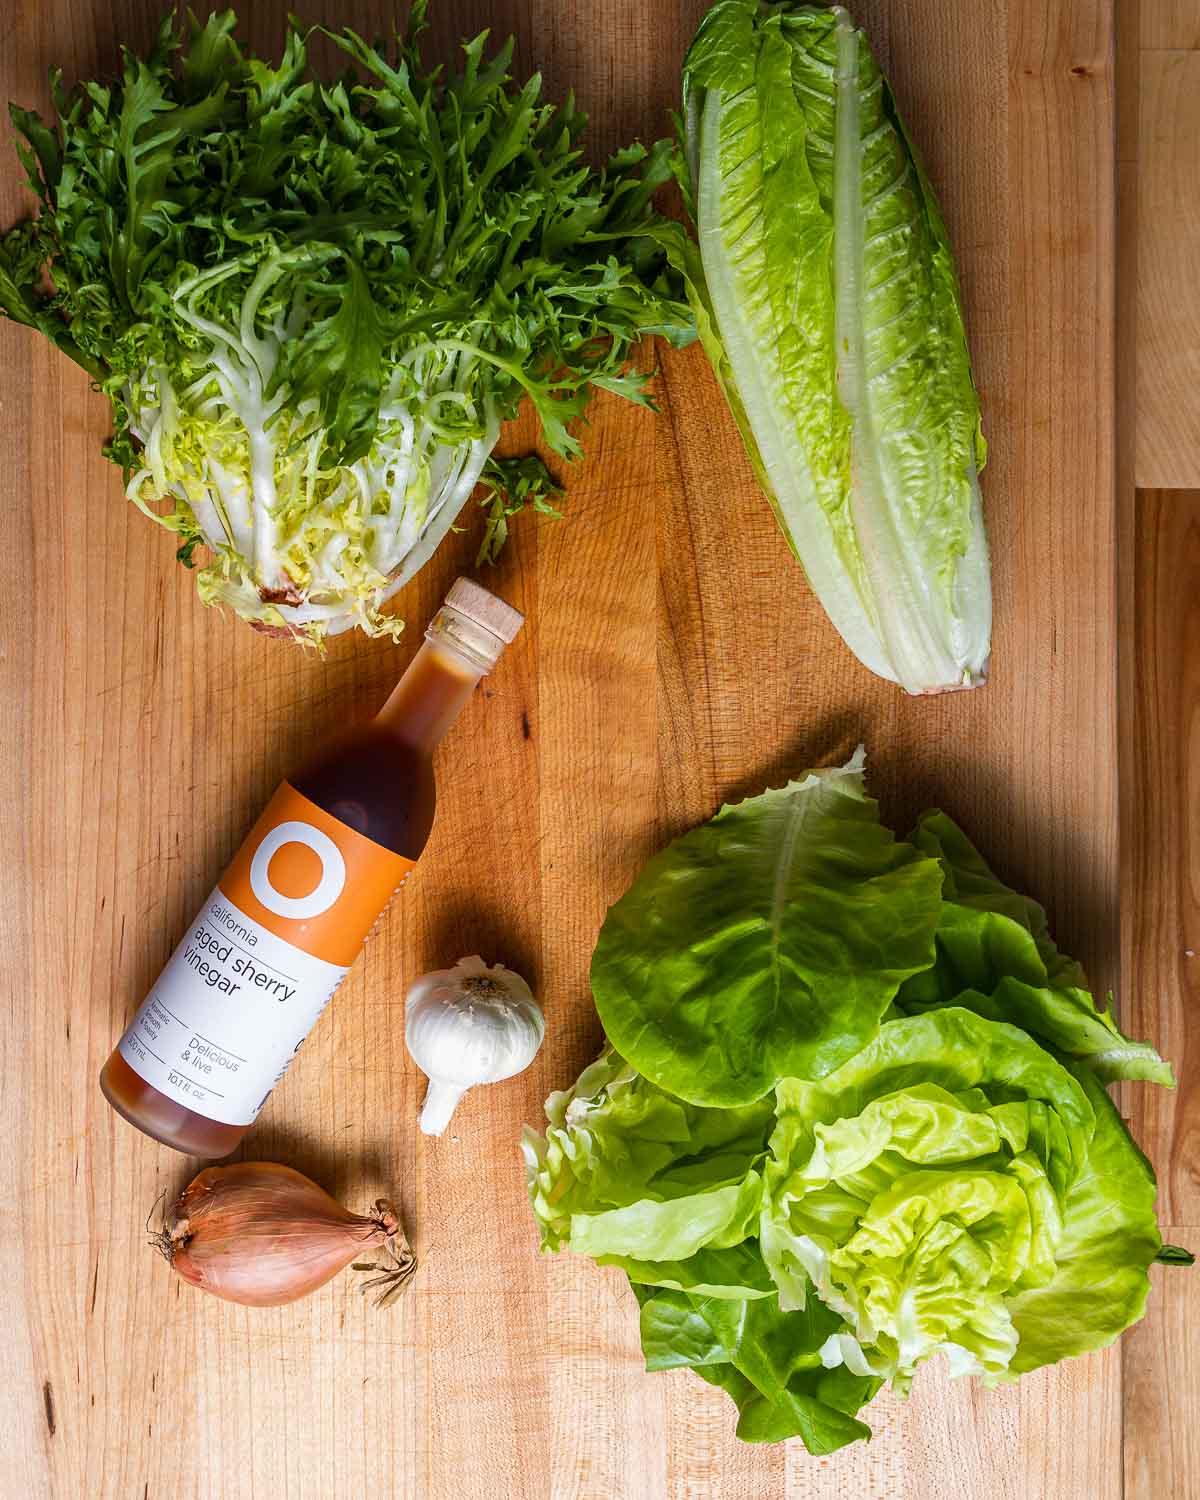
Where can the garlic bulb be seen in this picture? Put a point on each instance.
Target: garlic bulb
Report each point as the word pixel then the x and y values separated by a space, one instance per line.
pixel 467 1025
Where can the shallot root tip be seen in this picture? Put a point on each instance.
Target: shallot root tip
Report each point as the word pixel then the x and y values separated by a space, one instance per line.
pixel 386 1217
pixel 392 1274
pixel 161 1241
pixel 168 1241
pixel 165 1239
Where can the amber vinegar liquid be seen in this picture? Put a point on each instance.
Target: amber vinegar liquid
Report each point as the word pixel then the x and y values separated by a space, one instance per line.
pixel 376 783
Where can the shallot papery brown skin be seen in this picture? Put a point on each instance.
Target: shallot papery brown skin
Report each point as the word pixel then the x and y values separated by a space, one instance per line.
pixel 262 1234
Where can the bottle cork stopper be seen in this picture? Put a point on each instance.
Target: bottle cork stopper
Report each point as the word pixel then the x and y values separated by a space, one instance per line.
pixel 474 601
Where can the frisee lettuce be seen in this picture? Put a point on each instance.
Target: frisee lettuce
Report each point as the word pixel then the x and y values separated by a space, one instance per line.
pixel 851 1117
pixel 311 303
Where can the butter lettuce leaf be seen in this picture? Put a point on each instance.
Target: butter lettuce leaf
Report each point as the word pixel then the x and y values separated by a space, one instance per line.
pixel 942 1192
pixel 626 1170
pixel 1109 1238
pixel 767 943
pixel 995 956
pixel 735 1272
pixel 769 1361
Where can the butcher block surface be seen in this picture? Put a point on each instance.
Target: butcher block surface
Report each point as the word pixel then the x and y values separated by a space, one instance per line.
pixel 673 659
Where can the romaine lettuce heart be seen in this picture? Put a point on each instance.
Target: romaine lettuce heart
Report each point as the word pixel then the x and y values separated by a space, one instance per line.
pixel 828 304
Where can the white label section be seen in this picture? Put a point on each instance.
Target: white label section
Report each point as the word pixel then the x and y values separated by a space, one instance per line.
pixel 227 1014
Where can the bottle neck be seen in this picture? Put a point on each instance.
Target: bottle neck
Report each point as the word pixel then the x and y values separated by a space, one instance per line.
pixel 430 696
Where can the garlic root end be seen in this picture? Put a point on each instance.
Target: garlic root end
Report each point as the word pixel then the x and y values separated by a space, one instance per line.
pixel 440 1101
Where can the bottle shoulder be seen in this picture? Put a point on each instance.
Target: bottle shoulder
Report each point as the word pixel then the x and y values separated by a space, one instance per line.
pixel 374 782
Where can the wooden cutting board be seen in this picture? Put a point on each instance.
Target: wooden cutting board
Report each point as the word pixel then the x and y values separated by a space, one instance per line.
pixel 673 659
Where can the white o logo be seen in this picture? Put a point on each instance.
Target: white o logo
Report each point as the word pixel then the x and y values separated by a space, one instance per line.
pixel 329 887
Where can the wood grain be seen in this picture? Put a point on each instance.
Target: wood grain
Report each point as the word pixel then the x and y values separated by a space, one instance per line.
pixel 1162 1439
pixel 1162 853
pixel 1168 347
pixel 1159 551
pixel 673 658
pixel 1169 23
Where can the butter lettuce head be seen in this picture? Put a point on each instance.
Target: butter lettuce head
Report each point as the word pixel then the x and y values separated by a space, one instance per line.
pixel 944 1191
pixel 851 1117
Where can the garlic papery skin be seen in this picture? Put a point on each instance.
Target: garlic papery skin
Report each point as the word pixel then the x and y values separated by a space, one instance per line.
pixel 468 1025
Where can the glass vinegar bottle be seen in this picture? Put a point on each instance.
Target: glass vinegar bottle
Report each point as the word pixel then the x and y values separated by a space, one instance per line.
pixel 282 928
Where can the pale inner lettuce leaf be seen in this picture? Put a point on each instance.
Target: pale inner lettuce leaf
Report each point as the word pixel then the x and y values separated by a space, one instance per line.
pixel 936 1192
pixel 767 943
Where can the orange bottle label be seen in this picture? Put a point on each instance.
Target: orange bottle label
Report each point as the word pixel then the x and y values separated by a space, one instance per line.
pixel 312 880
pixel 261 960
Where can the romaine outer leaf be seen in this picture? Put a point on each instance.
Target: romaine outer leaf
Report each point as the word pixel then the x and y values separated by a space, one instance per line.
pixel 995 956
pixel 765 944
pixel 836 314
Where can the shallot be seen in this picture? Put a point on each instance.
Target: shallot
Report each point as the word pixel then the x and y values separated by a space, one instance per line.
pixel 262 1235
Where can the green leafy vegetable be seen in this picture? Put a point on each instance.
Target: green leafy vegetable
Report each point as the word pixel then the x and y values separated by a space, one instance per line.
pixel 950 1190
pixel 512 484
pixel 769 1361
pixel 828 305
pixel 312 303
pixel 625 1169
pixel 851 1117
pixel 1109 1238
pixel 766 944
pixel 995 956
